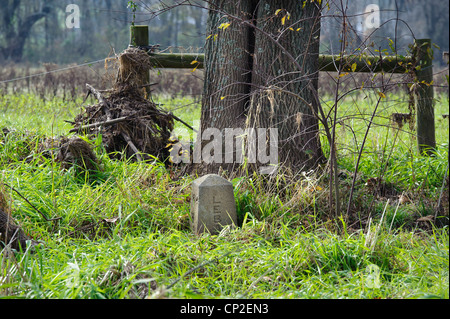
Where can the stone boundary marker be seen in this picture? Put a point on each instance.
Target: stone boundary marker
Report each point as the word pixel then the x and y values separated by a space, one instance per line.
pixel 212 204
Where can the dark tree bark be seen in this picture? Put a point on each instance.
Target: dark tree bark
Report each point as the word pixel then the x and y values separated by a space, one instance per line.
pixel 260 74
pixel 285 78
pixel 227 69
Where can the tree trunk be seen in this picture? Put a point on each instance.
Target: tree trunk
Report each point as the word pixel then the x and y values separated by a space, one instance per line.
pixel 261 79
pixel 16 48
pixel 285 94
pixel 227 73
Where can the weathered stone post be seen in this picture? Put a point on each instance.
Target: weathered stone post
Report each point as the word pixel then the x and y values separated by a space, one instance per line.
pixel 212 204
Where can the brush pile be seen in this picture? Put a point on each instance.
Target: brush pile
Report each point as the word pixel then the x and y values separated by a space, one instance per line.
pixel 129 122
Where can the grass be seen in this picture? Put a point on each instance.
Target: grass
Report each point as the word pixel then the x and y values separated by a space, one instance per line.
pixel 124 231
pixel 246 263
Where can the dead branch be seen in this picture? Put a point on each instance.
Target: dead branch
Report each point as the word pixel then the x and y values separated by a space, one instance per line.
pixel 105 105
pixel 133 147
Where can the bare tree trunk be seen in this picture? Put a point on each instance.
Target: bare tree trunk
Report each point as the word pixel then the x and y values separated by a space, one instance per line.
pixel 227 71
pixel 257 77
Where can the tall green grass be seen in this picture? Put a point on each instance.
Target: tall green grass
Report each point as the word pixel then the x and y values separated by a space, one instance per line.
pixel 254 261
pixel 125 232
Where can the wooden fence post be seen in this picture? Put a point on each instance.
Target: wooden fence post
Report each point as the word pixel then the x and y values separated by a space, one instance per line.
pixel 139 37
pixel 426 138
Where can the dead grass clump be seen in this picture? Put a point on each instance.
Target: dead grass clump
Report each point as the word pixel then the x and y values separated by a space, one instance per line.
pixel 133 63
pixel 76 151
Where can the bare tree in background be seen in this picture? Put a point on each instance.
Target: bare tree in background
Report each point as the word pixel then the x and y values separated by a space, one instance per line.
pixel 16 29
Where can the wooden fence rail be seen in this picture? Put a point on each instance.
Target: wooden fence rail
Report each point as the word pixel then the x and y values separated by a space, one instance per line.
pixel 421 61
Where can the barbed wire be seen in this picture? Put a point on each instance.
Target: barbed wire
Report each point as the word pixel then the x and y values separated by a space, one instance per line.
pixel 51 71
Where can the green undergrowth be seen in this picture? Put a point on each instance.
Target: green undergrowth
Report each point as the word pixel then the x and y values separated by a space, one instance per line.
pixel 256 260
pixel 124 229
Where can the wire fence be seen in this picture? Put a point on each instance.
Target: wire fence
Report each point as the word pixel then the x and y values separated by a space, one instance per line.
pixel 50 72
